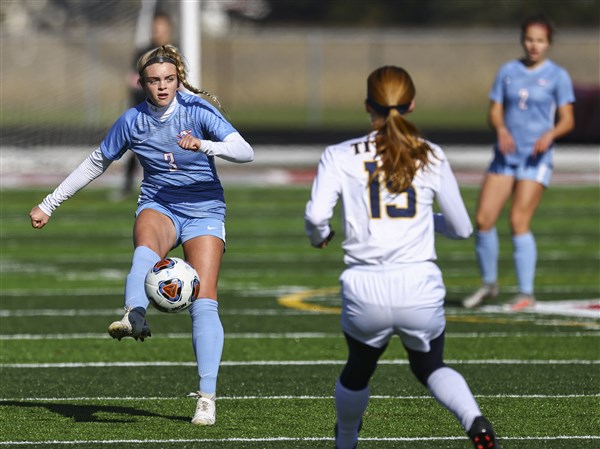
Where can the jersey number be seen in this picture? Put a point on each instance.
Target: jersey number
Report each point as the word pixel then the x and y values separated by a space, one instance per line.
pixel 170 158
pixel 392 210
pixel 523 96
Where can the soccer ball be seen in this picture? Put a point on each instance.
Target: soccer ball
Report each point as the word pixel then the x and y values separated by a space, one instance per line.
pixel 172 285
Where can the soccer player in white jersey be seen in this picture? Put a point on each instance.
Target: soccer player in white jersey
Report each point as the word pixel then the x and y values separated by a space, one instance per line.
pixel 525 97
pixel 175 137
pixel 387 182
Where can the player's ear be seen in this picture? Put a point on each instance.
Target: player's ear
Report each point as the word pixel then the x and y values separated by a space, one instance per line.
pixel 411 107
pixel 367 107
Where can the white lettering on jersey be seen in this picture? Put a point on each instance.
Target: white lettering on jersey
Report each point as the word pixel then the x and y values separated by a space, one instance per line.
pixel 523 96
pixel 170 158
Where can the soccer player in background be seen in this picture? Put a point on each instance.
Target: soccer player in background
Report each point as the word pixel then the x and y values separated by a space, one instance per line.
pixel 387 182
pixel 176 137
pixel 524 98
pixel 160 34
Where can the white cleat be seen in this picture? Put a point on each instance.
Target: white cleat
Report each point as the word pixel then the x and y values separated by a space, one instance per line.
pixel 484 292
pixel 133 324
pixel 205 409
pixel 520 302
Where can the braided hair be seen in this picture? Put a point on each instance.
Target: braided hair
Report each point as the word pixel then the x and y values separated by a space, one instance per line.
pixel 170 53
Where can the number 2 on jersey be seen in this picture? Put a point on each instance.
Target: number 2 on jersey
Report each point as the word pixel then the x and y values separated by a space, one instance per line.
pixel 392 210
pixel 170 158
pixel 523 96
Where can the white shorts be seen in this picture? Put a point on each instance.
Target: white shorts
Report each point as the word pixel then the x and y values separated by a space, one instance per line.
pixel 408 301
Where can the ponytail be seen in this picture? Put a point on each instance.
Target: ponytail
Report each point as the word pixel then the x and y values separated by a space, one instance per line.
pixel 398 142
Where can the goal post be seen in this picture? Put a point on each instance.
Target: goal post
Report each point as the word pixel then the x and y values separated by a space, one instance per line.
pixel 191 38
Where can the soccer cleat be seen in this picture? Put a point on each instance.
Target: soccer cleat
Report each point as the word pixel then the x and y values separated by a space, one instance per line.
pixel 484 292
pixel 521 302
pixel 133 324
pixel 205 414
pixel 482 434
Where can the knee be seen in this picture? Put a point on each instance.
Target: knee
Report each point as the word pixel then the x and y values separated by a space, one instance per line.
pixel 422 371
pixel 422 364
pixel 484 221
pixel 361 364
pixel 356 376
pixel 518 223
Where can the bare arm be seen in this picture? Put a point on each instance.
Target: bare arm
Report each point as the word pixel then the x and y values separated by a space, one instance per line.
pixel 506 143
pixel 564 125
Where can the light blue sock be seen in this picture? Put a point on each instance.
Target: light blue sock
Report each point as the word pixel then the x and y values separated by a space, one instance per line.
pixel 350 406
pixel 487 250
pixel 135 294
pixel 207 338
pixel 525 257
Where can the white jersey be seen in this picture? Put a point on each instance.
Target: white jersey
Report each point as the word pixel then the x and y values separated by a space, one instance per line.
pixel 380 227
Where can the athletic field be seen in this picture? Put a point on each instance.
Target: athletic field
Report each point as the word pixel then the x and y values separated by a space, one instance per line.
pixel 66 384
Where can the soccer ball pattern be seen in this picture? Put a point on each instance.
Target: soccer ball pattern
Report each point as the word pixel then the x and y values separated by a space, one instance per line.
pixel 172 285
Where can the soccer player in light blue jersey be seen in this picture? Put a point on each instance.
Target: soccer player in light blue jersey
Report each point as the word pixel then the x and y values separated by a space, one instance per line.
pixel 526 96
pixel 176 137
pixel 388 182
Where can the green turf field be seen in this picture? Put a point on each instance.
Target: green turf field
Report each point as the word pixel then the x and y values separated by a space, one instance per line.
pixel 65 383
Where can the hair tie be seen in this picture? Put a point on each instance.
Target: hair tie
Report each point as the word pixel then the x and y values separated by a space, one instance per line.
pixel 385 110
pixel 157 60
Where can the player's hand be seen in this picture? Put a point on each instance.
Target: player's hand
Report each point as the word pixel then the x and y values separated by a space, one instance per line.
pixel 325 242
pixel 543 143
pixel 189 142
pixel 506 144
pixel 38 218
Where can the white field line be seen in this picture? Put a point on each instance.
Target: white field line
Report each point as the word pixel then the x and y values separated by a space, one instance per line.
pixel 232 336
pixel 25 313
pixel 230 363
pixel 303 397
pixel 249 292
pixel 457 256
pixel 293 335
pixel 487 311
pixel 283 439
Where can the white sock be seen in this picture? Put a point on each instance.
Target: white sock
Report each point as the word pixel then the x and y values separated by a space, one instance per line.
pixel 451 390
pixel 350 406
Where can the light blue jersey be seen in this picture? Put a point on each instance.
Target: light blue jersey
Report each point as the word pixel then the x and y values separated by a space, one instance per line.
pixel 184 181
pixel 530 98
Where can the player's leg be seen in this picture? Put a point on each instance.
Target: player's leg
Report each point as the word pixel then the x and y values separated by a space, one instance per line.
pixel 420 322
pixel 205 253
pixel 352 390
pixel 154 236
pixel 526 198
pixel 366 323
pixel 495 191
pixel 451 390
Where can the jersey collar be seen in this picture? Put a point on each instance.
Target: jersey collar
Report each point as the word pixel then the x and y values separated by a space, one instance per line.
pixel 162 113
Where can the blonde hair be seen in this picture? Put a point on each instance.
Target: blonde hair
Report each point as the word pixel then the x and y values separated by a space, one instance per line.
pixel 170 53
pixel 390 92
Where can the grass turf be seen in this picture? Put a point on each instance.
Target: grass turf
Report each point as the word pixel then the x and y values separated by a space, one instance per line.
pixel 64 383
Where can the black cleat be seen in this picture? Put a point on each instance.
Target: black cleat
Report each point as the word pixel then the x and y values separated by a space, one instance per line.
pixel 482 434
